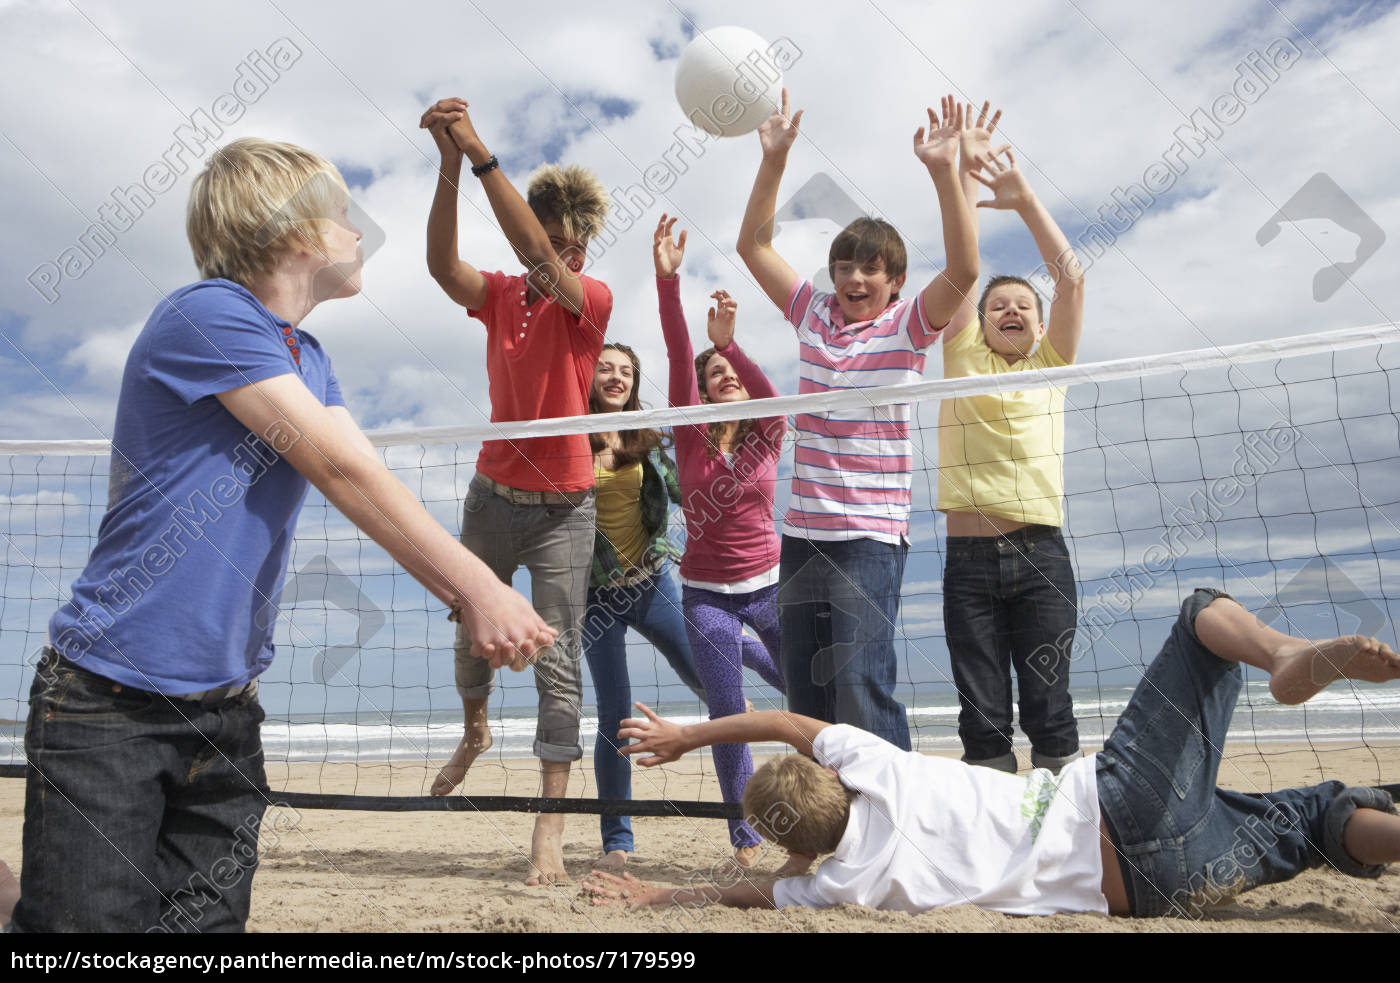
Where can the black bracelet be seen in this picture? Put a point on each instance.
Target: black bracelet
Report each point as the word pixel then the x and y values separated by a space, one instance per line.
pixel 479 169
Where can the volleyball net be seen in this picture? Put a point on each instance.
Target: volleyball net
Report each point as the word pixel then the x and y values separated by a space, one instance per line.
pixel 1269 470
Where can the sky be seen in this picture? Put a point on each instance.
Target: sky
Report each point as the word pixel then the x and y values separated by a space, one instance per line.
pixel 1166 139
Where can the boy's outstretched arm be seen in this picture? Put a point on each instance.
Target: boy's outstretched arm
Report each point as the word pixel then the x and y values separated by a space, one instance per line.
pixel 755 247
pixel 939 152
pixel 607 888
pixel 459 280
pixel 504 627
pixel 1011 191
pixel 974 153
pixel 663 741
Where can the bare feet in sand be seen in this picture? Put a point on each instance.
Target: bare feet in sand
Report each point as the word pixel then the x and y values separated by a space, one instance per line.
pixel 1306 668
pixel 614 861
pixel 547 843
pixel 474 742
pixel 547 852
pixel 9 893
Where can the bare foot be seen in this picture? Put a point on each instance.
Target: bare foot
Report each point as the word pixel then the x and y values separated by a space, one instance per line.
pixel 1306 668
pixel 451 775
pixel 747 856
pixel 547 852
pixel 748 706
pixel 614 861
pixel 9 893
pixel 796 865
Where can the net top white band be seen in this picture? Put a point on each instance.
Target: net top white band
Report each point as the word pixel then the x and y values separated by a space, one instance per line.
pixel 1121 368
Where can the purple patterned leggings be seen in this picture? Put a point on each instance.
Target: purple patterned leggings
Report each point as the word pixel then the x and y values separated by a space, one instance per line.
pixel 714 621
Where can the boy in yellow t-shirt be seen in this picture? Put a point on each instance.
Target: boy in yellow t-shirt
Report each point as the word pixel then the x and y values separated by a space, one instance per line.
pixel 1008 585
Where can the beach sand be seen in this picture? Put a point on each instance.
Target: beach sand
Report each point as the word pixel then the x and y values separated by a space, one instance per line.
pixel 355 871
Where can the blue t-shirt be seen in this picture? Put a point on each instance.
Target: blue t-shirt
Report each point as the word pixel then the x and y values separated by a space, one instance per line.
pixel 180 593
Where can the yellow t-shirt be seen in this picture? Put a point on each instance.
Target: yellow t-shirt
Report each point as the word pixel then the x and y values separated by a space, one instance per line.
pixel 619 503
pixel 1001 454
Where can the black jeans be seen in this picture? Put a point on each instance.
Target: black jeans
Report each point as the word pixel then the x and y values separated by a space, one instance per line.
pixel 141 811
pixel 1009 601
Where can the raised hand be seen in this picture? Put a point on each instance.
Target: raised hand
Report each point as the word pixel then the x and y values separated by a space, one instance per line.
pixel 940 148
pixel 721 319
pixel 660 739
pixel 975 140
pixel 1008 184
pixel 778 131
pixel 436 120
pixel 665 251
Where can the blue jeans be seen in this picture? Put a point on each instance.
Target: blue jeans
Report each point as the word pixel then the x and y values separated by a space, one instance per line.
pixel 839 603
pixel 653 608
pixel 1009 602
pixel 1183 843
pixel 141 811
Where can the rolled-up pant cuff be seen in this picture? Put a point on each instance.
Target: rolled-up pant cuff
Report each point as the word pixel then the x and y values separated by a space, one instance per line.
pixel 1335 821
pixel 481 691
pixel 558 752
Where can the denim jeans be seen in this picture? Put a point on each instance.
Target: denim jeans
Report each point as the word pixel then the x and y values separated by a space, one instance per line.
pixel 1183 843
pixel 555 543
pixel 653 608
pixel 839 602
pixel 1009 601
pixel 141 811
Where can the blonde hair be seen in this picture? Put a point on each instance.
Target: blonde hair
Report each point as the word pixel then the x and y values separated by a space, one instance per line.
pixel 798 804
pixel 254 200
pixel 572 196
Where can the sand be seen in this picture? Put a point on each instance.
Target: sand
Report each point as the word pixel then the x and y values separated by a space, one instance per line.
pixel 354 871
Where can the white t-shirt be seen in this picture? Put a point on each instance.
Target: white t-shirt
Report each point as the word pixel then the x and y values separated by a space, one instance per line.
pixel 926 832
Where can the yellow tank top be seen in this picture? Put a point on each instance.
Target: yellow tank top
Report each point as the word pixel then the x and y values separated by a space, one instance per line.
pixel 619 503
pixel 1001 454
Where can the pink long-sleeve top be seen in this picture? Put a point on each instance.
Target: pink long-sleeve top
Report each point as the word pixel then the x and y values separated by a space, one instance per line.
pixel 728 505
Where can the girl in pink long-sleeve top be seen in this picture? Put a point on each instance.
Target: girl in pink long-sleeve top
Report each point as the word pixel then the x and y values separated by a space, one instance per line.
pixel 728 475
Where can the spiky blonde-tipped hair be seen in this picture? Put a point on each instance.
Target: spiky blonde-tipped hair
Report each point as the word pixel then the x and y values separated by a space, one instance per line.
pixel 798 804
pixel 572 196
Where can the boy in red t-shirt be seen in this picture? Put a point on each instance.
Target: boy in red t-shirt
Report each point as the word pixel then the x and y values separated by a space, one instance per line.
pixel 531 502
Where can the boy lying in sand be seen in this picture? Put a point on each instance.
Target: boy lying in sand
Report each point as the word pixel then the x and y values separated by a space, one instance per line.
pixel 1137 829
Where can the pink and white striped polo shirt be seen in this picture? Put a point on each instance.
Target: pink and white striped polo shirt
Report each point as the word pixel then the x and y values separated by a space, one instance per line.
pixel 852 468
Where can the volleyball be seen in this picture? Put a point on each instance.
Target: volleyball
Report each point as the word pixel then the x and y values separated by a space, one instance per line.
pixel 728 81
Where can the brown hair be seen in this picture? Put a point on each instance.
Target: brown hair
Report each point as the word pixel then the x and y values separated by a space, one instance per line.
pixel 798 804
pixel 714 431
pixel 1001 281
pixel 636 444
pixel 866 239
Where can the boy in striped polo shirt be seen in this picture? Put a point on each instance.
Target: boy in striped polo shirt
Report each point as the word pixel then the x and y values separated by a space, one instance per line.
pixel 844 536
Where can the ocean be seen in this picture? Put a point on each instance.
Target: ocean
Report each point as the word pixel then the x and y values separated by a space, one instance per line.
pixel 1354 715
pixel 1340 715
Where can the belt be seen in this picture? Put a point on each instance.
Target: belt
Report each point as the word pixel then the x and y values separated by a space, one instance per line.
pixel 519 496
pixel 207 698
pixel 220 694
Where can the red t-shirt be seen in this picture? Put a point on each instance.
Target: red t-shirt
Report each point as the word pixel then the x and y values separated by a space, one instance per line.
pixel 540 361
